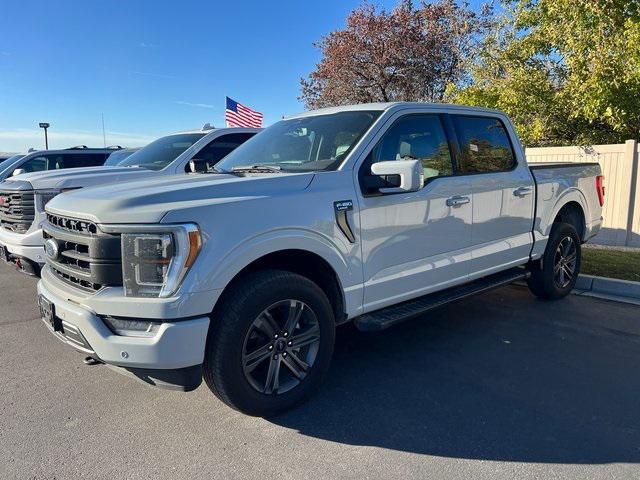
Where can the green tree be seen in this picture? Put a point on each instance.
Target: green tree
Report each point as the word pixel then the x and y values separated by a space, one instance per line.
pixel 566 71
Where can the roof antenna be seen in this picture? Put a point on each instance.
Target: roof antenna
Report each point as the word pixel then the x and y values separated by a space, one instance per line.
pixel 104 137
pixel 207 126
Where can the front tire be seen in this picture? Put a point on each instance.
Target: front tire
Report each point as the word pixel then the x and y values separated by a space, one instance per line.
pixel 560 264
pixel 270 342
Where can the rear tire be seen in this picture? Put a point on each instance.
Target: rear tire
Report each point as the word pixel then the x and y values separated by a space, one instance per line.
pixel 560 264
pixel 270 342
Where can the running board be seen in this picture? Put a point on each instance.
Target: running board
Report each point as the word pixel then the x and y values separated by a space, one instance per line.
pixel 389 316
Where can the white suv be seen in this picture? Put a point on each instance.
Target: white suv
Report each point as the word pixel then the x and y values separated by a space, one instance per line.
pixel 23 197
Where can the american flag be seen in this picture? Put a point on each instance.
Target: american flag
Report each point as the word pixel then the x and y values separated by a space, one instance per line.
pixel 237 115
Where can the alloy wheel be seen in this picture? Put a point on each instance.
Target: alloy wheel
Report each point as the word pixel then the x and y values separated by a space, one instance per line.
pixel 565 262
pixel 281 347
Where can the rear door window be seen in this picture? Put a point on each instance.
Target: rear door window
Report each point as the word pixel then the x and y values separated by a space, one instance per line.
pixel 80 160
pixel 484 145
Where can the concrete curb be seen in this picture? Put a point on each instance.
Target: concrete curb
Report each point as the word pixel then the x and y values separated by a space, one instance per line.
pixel 608 288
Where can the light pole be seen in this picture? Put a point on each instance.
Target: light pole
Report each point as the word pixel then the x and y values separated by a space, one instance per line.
pixel 46 139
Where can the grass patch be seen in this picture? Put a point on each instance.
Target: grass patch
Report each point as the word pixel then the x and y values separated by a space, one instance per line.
pixel 611 263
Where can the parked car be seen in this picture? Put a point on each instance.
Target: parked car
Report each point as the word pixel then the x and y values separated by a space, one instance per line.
pixel 21 240
pixel 368 213
pixel 13 206
pixel 6 161
pixel 5 156
pixel 41 160
pixel 119 156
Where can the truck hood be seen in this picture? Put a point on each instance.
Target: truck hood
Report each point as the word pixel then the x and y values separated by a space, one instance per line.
pixel 148 201
pixel 81 177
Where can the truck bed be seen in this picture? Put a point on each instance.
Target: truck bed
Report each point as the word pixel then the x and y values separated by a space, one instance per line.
pixel 558 183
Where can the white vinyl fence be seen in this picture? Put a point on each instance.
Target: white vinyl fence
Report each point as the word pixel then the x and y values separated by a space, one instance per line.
pixel 622 185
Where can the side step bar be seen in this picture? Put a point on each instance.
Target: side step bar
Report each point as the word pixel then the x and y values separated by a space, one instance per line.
pixel 389 316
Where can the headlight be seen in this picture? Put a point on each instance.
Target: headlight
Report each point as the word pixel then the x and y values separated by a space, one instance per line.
pixel 44 197
pixel 154 262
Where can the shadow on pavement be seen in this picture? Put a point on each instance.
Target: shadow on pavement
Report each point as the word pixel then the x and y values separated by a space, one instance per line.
pixel 500 377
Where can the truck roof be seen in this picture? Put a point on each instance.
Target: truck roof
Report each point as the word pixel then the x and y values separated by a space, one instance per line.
pixel 206 131
pixel 382 106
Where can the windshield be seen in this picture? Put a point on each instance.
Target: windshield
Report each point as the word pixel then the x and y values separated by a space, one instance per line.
pixel 117 157
pixel 162 152
pixel 305 144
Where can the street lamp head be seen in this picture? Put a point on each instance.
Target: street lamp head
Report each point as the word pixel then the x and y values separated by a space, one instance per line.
pixel 44 125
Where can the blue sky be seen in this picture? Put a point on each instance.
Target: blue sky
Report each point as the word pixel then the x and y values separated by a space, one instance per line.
pixel 151 67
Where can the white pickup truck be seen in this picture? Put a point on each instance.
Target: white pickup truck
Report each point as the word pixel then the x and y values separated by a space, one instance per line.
pixel 370 213
pixel 23 197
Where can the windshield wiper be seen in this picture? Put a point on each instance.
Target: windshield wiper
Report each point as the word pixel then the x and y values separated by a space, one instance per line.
pixel 256 169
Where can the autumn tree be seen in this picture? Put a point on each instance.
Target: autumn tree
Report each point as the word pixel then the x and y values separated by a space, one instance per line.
pixel 566 71
pixel 411 53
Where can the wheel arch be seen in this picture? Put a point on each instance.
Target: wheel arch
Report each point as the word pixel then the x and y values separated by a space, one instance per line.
pixel 313 257
pixel 571 208
pixel 307 264
pixel 573 214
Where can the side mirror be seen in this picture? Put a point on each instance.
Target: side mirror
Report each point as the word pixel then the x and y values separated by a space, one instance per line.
pixel 197 165
pixel 18 171
pixel 410 173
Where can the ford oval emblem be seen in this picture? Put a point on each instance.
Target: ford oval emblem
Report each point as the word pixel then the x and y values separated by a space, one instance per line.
pixel 51 249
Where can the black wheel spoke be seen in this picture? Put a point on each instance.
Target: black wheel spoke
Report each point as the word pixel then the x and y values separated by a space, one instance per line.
pixel 295 358
pixel 295 312
pixel 268 324
pixel 561 276
pixel 568 272
pixel 567 247
pixel 272 382
pixel 305 338
pixel 255 358
pixel 293 368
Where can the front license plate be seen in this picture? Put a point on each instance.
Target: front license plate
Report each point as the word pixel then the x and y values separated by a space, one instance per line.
pixel 48 314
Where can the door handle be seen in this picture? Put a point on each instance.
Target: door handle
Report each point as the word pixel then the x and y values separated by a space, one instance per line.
pixel 523 191
pixel 457 201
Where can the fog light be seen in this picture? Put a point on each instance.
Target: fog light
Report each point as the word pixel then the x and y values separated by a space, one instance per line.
pixel 132 328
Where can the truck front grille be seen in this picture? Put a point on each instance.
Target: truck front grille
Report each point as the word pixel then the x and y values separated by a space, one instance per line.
pixel 17 210
pixel 80 254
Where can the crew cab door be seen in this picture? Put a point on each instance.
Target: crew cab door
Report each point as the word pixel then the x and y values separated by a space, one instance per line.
pixel 417 242
pixel 503 193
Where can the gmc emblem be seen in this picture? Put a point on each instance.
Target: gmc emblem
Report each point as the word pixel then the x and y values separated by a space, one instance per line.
pixel 4 201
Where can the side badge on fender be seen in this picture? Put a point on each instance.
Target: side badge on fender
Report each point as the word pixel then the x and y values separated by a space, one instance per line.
pixel 341 208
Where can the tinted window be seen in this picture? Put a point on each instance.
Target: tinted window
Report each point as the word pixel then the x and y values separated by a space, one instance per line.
pixel 36 164
pixel 157 155
pixel 416 137
pixel 79 160
pixel 484 145
pixel 314 143
pixel 221 147
pixel 8 161
pixel 118 156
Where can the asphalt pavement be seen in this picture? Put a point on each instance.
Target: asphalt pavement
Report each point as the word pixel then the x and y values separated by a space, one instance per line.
pixel 497 386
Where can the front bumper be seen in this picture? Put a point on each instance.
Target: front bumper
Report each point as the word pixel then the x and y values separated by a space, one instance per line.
pixel 27 246
pixel 176 345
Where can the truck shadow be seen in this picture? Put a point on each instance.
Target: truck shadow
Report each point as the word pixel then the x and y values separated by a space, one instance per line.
pixel 499 377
